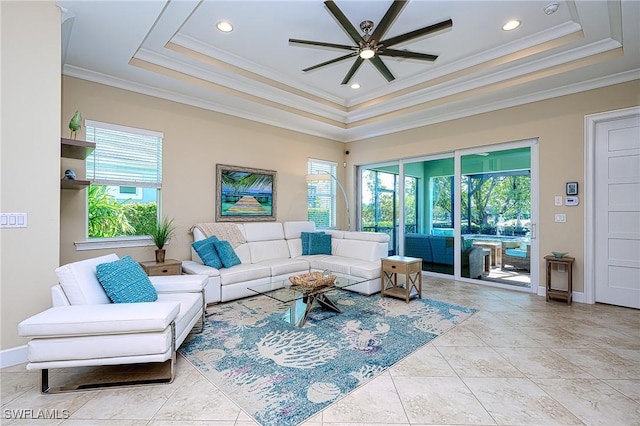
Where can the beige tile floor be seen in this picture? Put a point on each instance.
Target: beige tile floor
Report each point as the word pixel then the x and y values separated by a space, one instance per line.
pixel 518 361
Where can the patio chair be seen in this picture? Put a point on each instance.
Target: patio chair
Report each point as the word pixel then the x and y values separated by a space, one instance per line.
pixel 516 257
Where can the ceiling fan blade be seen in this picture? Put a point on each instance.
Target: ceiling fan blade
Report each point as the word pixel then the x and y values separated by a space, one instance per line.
pixel 344 22
pixel 332 61
pixel 352 70
pixel 322 44
pixel 444 25
pixel 377 62
pixel 407 54
pixel 388 18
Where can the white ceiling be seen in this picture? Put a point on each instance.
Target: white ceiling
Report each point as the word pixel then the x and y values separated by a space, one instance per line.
pixel 172 50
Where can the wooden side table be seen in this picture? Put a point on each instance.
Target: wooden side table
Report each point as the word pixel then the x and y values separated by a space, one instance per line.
pixel 568 263
pixel 411 268
pixel 168 267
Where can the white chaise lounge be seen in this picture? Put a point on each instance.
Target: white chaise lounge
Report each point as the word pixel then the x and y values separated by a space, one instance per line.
pixel 84 328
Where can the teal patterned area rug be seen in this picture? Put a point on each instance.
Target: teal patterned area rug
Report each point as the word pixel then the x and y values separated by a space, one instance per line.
pixel 281 375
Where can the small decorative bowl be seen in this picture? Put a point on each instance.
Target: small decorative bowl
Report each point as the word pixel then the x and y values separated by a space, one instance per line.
pixel 559 254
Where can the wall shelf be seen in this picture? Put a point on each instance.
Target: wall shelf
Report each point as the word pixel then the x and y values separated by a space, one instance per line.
pixel 79 150
pixel 73 148
pixel 74 184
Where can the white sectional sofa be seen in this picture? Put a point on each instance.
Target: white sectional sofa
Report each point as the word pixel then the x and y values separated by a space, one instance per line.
pixel 273 252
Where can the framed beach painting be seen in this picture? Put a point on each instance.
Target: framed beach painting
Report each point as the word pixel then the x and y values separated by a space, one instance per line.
pixel 244 194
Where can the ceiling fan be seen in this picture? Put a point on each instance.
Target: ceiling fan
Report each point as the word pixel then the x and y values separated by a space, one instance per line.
pixel 371 46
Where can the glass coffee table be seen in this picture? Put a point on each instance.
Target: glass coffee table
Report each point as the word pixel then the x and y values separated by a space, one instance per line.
pixel 303 299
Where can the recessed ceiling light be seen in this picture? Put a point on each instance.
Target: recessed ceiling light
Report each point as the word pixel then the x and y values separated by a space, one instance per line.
pixel 511 25
pixel 224 26
pixel 355 86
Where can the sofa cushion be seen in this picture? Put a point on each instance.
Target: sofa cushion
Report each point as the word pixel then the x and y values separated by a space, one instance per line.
pixel 244 272
pixel 516 253
pixel 98 347
pixel 267 250
pixel 207 252
pixel 368 270
pixel 361 250
pixel 293 229
pixel 281 267
pixel 338 264
pixel 190 306
pixel 263 231
pixel 305 237
pixel 319 244
pixel 226 254
pixel 80 283
pixel 125 281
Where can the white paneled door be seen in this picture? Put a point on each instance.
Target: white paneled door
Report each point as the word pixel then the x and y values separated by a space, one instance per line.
pixel 617 211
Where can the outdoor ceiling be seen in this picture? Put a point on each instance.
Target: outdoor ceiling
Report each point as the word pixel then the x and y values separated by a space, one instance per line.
pixel 172 50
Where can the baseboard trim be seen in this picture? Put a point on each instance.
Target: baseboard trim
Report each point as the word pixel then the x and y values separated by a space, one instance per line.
pixel 13 356
pixel 578 297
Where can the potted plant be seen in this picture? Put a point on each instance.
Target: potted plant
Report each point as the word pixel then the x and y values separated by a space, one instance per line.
pixel 161 234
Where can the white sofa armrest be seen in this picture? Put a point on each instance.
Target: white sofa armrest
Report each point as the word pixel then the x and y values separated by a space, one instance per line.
pixel 110 318
pixel 179 283
pixel 192 267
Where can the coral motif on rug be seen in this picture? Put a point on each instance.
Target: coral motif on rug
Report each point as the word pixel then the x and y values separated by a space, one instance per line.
pixel 281 375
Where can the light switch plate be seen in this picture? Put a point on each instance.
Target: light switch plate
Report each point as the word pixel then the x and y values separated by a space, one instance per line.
pixel 561 217
pixel 13 220
pixel 557 200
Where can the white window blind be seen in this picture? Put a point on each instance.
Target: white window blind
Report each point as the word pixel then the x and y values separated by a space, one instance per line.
pixel 124 155
pixel 322 195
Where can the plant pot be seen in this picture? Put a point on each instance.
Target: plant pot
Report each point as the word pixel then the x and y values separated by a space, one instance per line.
pixel 160 255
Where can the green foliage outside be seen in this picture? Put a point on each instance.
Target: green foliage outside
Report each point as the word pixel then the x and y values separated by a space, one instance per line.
pixel 109 218
pixel 321 216
pixel 142 217
pixel 498 204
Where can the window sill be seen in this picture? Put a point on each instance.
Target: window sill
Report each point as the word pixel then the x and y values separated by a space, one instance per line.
pixel 114 243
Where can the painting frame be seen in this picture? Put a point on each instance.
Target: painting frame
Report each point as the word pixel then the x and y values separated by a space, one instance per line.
pixel 245 194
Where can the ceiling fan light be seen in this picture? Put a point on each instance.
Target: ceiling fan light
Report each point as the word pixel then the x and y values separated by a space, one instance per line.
pixel 224 26
pixel 367 53
pixel 511 25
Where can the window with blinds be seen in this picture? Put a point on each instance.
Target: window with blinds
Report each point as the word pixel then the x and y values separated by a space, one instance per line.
pixel 125 171
pixel 321 195
pixel 124 156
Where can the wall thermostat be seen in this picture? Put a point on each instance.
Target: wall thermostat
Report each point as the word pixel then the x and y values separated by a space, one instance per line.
pixel 571 201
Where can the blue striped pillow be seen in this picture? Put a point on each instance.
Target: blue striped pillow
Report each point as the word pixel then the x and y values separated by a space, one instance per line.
pixel 207 252
pixel 124 281
pixel 226 253
pixel 305 236
pixel 320 244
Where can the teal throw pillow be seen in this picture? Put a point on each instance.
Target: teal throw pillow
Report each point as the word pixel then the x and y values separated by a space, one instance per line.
pixel 226 254
pixel 124 281
pixel 320 244
pixel 304 236
pixel 207 252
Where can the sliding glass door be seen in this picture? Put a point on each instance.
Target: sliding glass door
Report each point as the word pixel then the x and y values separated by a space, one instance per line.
pixel 469 214
pixel 379 202
pixel 428 212
pixel 495 215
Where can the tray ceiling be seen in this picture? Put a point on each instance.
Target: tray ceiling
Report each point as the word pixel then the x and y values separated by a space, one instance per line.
pixel 173 50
